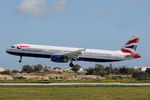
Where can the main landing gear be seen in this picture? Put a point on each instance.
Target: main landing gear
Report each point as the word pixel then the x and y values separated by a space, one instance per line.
pixel 20 59
pixel 71 64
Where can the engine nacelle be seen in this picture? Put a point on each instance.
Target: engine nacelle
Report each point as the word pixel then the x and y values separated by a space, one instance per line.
pixel 58 58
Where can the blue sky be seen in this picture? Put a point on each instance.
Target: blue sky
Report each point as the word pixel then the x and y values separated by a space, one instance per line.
pixel 100 24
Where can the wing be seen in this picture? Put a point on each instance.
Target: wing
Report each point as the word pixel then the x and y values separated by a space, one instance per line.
pixel 75 54
pixel 72 55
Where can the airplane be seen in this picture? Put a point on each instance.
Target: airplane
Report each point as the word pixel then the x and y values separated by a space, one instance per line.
pixel 70 54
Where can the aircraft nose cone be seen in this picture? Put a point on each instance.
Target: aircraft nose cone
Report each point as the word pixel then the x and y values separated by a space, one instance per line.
pixel 8 51
pixel 137 56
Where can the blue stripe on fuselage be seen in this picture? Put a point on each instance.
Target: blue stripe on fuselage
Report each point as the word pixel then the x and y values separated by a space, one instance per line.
pixel 96 60
pixel 49 56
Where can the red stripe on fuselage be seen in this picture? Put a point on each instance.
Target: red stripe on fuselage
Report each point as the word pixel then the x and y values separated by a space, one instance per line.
pixel 126 51
pixel 133 41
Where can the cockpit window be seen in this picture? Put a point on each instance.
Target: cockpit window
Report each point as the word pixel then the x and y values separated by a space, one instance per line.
pixel 12 46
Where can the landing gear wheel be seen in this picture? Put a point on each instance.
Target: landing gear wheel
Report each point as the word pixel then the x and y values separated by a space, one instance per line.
pixel 71 64
pixel 20 59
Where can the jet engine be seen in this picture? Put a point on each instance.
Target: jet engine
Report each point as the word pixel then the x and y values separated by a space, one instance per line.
pixel 59 58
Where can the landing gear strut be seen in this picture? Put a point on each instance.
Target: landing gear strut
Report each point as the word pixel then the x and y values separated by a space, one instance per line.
pixel 20 59
pixel 71 64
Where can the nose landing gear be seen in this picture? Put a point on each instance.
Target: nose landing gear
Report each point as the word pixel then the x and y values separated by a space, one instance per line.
pixel 20 59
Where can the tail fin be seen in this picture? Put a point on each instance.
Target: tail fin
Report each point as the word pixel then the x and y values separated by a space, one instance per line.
pixel 131 46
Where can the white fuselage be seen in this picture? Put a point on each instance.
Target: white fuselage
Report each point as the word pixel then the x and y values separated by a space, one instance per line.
pixel 92 55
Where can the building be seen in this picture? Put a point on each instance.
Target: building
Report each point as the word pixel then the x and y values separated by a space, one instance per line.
pixel 2 69
pixel 143 69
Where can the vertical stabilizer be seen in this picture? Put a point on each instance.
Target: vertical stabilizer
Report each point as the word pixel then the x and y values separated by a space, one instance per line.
pixel 131 46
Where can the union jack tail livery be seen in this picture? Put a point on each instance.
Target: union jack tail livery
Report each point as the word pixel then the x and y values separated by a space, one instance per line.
pixel 131 46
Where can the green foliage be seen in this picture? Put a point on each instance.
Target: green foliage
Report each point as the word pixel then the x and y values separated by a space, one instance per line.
pixel 74 92
pixel 98 70
pixel 15 71
pixel 116 70
pixel 109 69
pixel 90 71
pixel 6 72
pixel 108 72
pixel 76 68
pixel 105 71
pixel 141 76
pixel 125 70
pixel 27 69
pixel 38 68
pixel 148 71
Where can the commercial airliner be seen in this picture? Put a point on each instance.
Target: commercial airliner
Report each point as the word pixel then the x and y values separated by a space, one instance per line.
pixel 70 54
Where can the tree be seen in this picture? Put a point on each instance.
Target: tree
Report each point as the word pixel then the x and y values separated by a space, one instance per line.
pixel 148 71
pixel 109 69
pixel 76 68
pixel 131 71
pixel 6 72
pixel 123 70
pixel 103 73
pixel 140 75
pixel 27 69
pixel 15 71
pixel 116 70
pixel 99 66
pixel 100 70
pixel 38 68
pixel 90 71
